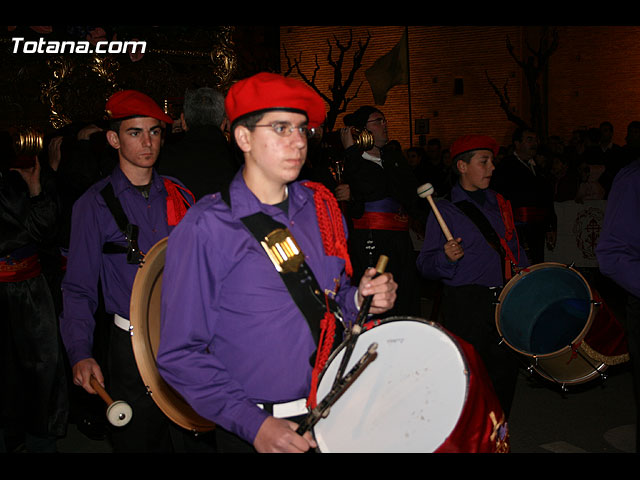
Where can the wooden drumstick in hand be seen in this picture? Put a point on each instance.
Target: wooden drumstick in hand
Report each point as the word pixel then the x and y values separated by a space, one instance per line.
pixel 118 413
pixel 425 191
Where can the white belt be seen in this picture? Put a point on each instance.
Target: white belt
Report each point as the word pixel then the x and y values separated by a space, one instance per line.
pixel 289 409
pixel 121 322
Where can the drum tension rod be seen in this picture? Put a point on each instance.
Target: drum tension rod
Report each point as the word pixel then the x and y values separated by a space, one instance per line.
pixel 603 375
pixel 563 385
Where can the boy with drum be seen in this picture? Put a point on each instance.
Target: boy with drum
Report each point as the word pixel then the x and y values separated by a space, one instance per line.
pixel 234 343
pixel 113 223
pixel 480 258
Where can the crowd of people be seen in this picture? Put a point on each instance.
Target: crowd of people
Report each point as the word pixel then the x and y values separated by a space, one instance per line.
pixel 77 220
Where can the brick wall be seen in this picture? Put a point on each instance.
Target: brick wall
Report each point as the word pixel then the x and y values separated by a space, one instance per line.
pixel 438 56
pixel 593 76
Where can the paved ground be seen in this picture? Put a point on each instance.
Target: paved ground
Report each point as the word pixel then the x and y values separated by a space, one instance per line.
pixel 597 417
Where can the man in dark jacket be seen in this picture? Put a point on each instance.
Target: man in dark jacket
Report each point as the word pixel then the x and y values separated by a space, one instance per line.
pixel 383 204
pixel 202 159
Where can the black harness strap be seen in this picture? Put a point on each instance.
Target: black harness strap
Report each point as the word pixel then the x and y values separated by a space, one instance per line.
pixel 481 222
pixel 301 284
pixel 129 230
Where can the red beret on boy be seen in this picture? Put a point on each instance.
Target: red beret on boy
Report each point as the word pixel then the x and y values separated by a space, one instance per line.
pixel 131 103
pixel 269 91
pixel 468 143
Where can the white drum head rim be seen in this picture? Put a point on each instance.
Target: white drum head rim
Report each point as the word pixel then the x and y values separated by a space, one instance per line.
pixel 408 400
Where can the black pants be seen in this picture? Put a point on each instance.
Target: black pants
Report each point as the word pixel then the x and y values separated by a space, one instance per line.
pixel 366 246
pixel 33 380
pixel 149 430
pixel 469 313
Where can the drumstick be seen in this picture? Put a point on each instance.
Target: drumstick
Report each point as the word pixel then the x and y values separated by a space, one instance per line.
pixel 357 327
pixel 322 410
pixel 425 191
pixel 119 413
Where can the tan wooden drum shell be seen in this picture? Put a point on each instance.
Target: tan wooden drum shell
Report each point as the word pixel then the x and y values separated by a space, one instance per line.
pixel 145 337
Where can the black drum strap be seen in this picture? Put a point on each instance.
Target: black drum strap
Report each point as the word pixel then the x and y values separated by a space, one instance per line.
pixel 481 222
pixel 301 284
pixel 129 230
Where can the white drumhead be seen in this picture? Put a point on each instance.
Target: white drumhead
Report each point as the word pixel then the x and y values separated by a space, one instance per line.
pixel 409 399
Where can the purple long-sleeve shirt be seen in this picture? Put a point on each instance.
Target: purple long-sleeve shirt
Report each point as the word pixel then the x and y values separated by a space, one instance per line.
pixel 618 249
pixel 231 335
pixel 92 225
pixel 481 264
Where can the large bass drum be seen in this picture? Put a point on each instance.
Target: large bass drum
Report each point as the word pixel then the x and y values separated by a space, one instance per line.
pixel 426 391
pixel 549 314
pixel 145 337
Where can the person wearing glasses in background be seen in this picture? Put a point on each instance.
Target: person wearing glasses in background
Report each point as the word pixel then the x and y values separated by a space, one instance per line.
pixel 383 205
pixel 233 342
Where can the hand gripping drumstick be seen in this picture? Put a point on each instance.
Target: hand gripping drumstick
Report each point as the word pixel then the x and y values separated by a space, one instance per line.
pixel 118 413
pixel 425 191
pixel 357 328
pixel 322 410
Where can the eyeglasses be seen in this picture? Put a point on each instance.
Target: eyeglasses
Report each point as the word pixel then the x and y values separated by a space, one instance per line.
pixel 381 121
pixel 285 129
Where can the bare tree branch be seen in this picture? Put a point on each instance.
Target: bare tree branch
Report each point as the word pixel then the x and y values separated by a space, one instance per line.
pixel 338 100
pixel 505 102
pixel 533 69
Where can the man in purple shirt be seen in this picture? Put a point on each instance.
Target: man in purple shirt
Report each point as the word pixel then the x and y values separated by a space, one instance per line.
pixel 618 254
pixel 101 254
pixel 233 342
pixel 471 269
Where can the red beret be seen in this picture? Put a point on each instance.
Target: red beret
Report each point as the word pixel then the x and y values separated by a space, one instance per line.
pixel 468 143
pixel 131 103
pixel 270 91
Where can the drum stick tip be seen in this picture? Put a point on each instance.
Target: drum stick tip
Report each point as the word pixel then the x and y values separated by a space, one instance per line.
pixel 425 190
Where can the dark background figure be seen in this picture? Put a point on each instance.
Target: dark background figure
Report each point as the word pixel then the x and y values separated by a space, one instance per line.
pixel 565 178
pixel 631 148
pixel 79 156
pixel 34 402
pixel 323 162
pixel 383 202
pixel 531 195
pixel 611 156
pixel 202 158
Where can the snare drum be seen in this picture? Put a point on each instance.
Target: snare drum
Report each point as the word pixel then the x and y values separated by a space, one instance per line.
pixel 426 391
pixel 145 338
pixel 545 313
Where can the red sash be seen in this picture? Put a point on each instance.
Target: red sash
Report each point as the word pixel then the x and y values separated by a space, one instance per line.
pixel 530 214
pixel 382 221
pixel 19 270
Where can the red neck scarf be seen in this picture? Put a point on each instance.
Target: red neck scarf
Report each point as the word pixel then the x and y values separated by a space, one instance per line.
pixel 177 204
pixel 335 244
